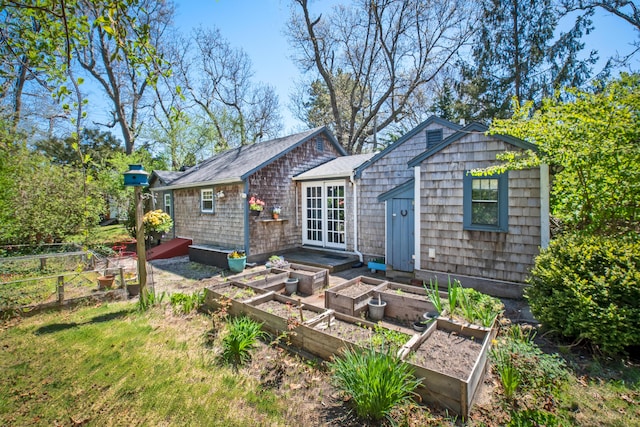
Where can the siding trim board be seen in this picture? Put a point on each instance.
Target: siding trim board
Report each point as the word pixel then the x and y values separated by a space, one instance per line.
pixel 404 190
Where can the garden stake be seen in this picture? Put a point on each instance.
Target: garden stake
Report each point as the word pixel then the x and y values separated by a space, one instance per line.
pixel 300 308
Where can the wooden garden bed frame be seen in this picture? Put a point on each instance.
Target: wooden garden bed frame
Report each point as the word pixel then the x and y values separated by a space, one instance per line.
pixel 213 298
pixel 310 279
pixel 452 393
pixel 268 278
pixel 351 305
pixel 406 303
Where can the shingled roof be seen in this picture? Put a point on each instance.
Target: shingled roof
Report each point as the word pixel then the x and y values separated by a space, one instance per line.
pixel 340 167
pixel 237 164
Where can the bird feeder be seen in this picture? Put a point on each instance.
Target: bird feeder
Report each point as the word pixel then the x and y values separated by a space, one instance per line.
pixel 136 177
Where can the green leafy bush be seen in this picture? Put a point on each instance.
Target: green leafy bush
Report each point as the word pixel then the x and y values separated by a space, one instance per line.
pixel 376 381
pixel 523 367
pixel 185 304
pixel 589 287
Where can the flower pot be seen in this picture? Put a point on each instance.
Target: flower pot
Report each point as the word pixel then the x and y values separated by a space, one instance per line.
pixel 133 289
pixel 254 213
pixel 105 282
pixel 376 309
pixel 421 325
pixel 291 286
pixel 237 265
pixel 275 215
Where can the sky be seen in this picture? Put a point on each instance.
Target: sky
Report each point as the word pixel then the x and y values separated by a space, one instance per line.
pixel 257 26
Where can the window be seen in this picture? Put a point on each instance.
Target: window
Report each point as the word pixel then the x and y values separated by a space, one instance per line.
pixel 167 204
pixel 486 203
pixel 206 200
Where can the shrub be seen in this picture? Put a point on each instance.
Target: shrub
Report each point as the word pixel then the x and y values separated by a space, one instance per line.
pixel 589 287
pixel 377 382
pixel 522 366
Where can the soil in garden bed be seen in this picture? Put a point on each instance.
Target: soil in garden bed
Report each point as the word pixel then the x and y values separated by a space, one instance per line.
pixel 448 353
pixel 235 292
pixel 355 289
pixel 287 310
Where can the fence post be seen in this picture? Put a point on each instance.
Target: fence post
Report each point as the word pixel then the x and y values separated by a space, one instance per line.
pixel 122 283
pixel 60 289
pixel 43 263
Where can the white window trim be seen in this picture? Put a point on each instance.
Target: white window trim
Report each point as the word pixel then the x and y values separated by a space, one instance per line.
pixel 167 203
pixel 202 200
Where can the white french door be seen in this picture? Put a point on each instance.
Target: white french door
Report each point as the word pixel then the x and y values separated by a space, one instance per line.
pixel 323 207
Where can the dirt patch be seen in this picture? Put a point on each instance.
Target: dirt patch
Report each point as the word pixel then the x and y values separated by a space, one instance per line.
pixel 287 311
pixel 355 289
pixel 449 353
pixel 180 275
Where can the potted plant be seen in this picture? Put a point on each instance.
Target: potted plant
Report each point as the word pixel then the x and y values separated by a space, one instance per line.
pixel 275 212
pixel 156 223
pixel 237 261
pixel 255 206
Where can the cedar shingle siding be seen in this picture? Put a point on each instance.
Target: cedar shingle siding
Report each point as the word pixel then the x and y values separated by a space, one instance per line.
pixel 383 175
pixel 490 255
pixel 224 227
pixel 274 184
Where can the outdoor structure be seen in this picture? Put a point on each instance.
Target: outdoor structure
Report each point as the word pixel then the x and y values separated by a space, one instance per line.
pixel 415 204
pixel 210 201
pixel 426 214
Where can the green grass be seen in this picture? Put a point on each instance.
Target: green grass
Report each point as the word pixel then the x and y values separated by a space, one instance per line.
pixel 110 365
pixel 107 236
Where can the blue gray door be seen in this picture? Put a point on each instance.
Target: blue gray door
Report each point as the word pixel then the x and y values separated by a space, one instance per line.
pixel 400 237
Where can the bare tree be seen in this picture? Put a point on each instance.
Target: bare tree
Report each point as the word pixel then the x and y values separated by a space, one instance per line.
pixel 217 78
pixel 122 57
pixel 626 10
pixel 387 49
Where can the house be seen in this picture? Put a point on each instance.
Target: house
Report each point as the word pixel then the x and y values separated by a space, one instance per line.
pixel 414 203
pixel 427 215
pixel 209 201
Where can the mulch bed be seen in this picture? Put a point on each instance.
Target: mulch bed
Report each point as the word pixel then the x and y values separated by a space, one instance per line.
pixel 355 289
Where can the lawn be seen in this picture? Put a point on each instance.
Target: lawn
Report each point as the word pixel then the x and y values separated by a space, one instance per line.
pixel 109 364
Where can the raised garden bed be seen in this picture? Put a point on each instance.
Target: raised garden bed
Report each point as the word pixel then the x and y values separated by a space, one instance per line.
pixel 405 303
pixel 351 297
pixel 270 278
pixel 279 313
pixel 237 293
pixel 451 358
pixel 327 336
pixel 310 279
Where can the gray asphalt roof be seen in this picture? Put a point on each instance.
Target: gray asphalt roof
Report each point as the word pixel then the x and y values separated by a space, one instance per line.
pixel 166 177
pixel 236 164
pixel 339 167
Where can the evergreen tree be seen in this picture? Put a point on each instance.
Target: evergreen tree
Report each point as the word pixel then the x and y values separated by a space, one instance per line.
pixel 518 54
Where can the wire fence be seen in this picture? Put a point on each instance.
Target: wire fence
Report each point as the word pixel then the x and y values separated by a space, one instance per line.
pixel 31 281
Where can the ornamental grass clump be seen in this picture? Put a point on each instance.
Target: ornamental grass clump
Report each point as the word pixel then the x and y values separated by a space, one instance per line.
pixel 241 338
pixel 377 382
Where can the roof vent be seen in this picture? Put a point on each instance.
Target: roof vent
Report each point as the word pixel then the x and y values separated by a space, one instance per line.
pixel 434 137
